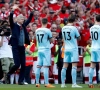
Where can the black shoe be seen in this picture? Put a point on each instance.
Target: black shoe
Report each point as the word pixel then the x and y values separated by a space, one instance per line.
pixel 21 83
pixel 7 78
pixel 1 82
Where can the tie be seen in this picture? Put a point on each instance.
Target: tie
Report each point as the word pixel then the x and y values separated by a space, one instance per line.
pixel 21 27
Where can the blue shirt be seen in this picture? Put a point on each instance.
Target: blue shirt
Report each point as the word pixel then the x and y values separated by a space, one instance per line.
pixel 70 34
pixel 42 36
pixel 95 36
pixel 21 38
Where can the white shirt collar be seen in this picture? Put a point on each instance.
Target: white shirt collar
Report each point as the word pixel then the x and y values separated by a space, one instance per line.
pixel 18 24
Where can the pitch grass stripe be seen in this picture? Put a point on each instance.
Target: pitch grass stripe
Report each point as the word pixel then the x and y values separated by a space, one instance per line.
pixel 32 87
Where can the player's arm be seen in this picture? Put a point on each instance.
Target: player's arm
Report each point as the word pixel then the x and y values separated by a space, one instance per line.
pixel 77 35
pixel 78 38
pixel 51 39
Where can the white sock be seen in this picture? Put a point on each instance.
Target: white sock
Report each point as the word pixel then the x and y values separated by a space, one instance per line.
pixel 32 81
pixel 56 81
pixel 12 79
pixel 42 81
pixel 16 78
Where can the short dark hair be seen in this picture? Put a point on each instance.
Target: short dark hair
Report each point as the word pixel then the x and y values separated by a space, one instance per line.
pixel 98 18
pixel 71 18
pixel 44 21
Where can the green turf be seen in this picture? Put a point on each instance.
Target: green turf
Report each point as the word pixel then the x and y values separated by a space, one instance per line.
pixel 32 87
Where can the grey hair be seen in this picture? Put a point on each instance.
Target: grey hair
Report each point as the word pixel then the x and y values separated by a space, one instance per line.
pixel 20 16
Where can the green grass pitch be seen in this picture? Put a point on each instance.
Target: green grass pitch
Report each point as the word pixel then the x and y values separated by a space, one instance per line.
pixel 32 87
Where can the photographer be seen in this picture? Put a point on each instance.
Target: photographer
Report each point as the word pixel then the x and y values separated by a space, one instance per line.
pixel 6 57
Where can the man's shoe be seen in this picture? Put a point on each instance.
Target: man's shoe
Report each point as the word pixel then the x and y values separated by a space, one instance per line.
pixel 76 86
pixel 37 85
pixel 49 86
pixel 25 83
pixel 91 86
pixel 1 82
pixel 21 83
pixel 63 85
pixel 7 78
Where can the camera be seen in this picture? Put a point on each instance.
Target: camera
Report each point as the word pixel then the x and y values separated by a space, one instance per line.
pixel 6 30
pixel 4 26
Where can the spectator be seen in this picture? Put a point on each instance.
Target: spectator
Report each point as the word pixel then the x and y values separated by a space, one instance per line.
pixel 29 58
pixel 87 61
pixel 6 57
pixel 60 60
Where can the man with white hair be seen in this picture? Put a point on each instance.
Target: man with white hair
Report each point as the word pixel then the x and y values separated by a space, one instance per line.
pixel 18 39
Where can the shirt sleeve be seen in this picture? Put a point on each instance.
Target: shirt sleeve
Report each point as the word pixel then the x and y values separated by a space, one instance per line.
pixel 77 33
pixel 50 34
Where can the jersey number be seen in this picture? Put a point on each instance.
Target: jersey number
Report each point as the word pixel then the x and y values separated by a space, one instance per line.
pixel 94 35
pixel 69 36
pixel 40 37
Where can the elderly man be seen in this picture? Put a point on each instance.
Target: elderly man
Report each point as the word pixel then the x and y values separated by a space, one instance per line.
pixel 18 39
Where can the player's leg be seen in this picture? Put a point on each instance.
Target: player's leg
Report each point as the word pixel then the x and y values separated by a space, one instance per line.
pixel 42 76
pixel 63 74
pixel 37 75
pixel 12 79
pixel 66 60
pixel 99 65
pixel 91 73
pixel 46 64
pixel 74 75
pixel 94 58
pixel 17 76
pixel 38 68
pixel 74 60
pixel 33 71
pixel 55 73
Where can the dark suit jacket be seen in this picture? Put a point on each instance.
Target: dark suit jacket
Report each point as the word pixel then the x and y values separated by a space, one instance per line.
pixel 16 30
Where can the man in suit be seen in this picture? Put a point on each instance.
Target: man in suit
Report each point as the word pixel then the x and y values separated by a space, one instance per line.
pixel 18 39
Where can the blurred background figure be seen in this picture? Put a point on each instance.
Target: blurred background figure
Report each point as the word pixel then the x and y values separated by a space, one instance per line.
pixel 29 58
pixel 6 57
pixel 87 61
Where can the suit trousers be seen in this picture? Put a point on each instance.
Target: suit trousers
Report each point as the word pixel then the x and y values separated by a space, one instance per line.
pixel 19 61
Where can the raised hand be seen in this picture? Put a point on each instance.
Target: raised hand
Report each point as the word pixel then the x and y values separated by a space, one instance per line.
pixel 15 7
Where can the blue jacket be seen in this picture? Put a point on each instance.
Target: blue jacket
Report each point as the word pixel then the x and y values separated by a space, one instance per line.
pixel 15 30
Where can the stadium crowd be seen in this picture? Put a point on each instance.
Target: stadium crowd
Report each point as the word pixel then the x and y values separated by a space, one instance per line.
pixel 57 13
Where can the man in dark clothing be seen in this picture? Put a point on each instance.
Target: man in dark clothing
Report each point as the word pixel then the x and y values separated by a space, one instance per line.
pixel 60 60
pixel 18 39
